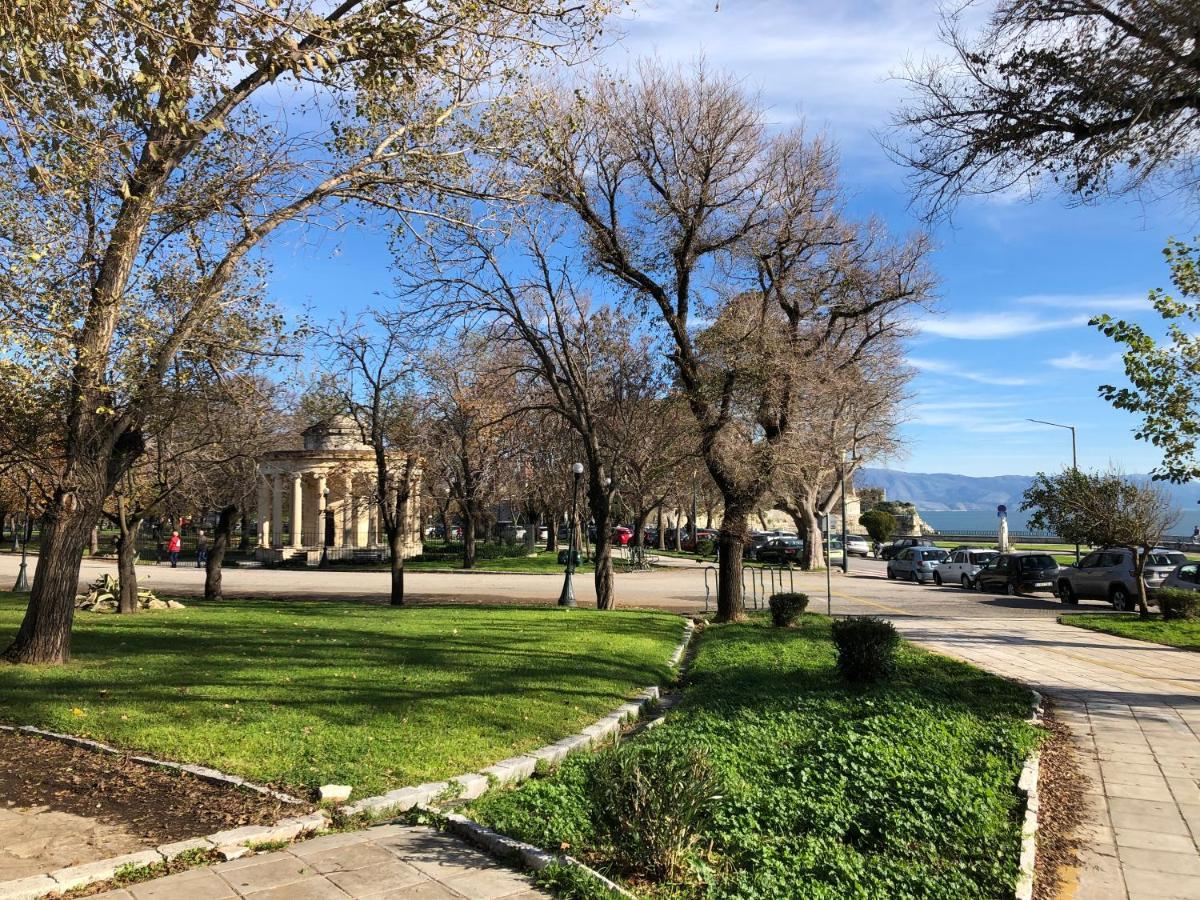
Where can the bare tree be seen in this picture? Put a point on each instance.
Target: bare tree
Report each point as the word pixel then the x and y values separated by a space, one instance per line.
pixel 1092 95
pixel 684 200
pixel 371 370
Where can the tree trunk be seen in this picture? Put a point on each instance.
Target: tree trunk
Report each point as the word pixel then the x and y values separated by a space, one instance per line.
pixel 216 553
pixel 602 558
pixel 552 532
pixel 1139 570
pixel 660 539
pixel 468 540
pixel 447 525
pixel 127 601
pixel 814 540
pixel 45 632
pixel 395 538
pixel 731 539
pixel 531 527
pixel 639 528
pixel 678 530
pixel 94 541
pixel 244 541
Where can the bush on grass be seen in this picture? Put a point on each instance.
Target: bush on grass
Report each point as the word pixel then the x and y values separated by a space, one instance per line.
pixel 866 648
pixel 787 607
pixel 706 547
pixel 652 802
pixel 1179 605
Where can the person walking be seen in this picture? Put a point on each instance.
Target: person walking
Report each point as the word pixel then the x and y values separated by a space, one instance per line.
pixel 173 546
pixel 201 549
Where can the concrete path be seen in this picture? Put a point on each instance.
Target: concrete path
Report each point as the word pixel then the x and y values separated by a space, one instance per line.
pixel 1134 711
pixel 387 862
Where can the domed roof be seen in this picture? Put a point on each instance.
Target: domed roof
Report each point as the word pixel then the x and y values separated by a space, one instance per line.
pixel 336 433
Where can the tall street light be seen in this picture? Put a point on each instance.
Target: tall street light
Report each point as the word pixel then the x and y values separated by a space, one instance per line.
pixel 22 585
pixel 1074 458
pixel 567 597
pixel 845 552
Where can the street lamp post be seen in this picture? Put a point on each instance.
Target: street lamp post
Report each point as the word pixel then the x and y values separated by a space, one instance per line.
pixel 567 597
pixel 323 528
pixel 22 585
pixel 845 552
pixel 1074 457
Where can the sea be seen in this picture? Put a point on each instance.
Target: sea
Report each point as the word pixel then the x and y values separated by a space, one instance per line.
pixel 985 520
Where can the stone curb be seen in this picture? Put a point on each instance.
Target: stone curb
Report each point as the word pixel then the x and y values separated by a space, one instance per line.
pixel 533 858
pixel 230 844
pixel 202 772
pixel 1028 784
pixel 515 769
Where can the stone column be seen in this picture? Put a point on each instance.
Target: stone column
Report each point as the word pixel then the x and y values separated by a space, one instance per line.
pixel 277 512
pixel 373 521
pixel 297 511
pixel 323 506
pixel 349 538
pixel 264 513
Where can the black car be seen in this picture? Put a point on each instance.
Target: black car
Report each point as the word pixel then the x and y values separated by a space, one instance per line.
pixel 889 551
pixel 1018 573
pixel 780 550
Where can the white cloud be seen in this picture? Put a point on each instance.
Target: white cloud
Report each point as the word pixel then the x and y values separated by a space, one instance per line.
pixel 994 326
pixel 1085 362
pixel 939 367
pixel 1094 303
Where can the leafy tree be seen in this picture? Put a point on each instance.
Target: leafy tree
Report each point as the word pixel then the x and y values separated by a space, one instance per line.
pixel 145 162
pixel 1106 509
pixel 1165 377
pixel 880 524
pixel 1094 95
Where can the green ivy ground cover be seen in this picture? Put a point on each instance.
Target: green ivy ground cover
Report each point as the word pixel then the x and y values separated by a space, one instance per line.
pixel 901 790
pixel 304 693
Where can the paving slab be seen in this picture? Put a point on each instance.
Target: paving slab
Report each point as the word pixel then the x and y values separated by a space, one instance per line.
pixel 387 862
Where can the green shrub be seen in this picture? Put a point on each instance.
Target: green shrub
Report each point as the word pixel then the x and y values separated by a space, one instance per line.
pixel 787 607
pixel 652 802
pixel 706 547
pixel 880 524
pixel 1178 604
pixel 866 648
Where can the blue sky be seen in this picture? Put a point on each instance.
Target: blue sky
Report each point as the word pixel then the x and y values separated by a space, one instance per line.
pixel 1018 279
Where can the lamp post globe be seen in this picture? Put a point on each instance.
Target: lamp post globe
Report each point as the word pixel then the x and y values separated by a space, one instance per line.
pixel 567 597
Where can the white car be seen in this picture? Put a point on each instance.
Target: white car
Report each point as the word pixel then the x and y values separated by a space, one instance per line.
pixel 856 545
pixel 1184 578
pixel 963 565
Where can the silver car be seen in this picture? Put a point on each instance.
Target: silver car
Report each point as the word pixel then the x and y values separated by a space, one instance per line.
pixel 962 566
pixel 915 563
pixel 1109 575
pixel 856 545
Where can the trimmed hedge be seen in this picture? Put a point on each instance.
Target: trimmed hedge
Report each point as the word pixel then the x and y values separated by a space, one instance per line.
pixel 787 607
pixel 1178 604
pixel 866 648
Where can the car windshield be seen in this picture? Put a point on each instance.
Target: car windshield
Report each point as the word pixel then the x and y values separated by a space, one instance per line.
pixel 1038 562
pixel 982 559
pixel 1166 559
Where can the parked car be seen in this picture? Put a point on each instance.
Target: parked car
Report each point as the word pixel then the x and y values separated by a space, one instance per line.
pixel 1184 578
pixel 622 535
pixel 962 565
pixel 857 545
pixel 780 550
pixel 757 542
pixel 893 548
pixel 1108 574
pixel 1021 572
pixel 915 563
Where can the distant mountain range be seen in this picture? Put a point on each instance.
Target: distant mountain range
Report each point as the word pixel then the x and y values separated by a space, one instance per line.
pixel 943 492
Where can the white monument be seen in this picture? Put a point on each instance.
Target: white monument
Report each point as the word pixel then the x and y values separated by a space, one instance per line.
pixel 321 500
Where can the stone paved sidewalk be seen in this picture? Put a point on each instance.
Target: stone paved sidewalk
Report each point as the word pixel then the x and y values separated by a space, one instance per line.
pixel 1134 710
pixel 386 862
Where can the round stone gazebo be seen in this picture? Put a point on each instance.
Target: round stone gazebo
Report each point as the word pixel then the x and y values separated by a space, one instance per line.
pixel 322 500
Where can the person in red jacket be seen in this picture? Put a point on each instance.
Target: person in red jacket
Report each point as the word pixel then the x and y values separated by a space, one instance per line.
pixel 173 546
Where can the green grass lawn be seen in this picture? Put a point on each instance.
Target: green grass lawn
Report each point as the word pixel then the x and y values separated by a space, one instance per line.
pixel 1185 635
pixel 906 789
pixel 545 563
pixel 301 693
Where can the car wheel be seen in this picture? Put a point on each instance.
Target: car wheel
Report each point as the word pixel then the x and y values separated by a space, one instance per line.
pixel 937 579
pixel 979 586
pixel 1066 594
pixel 1011 589
pixel 966 583
pixel 890 573
pixel 1122 601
